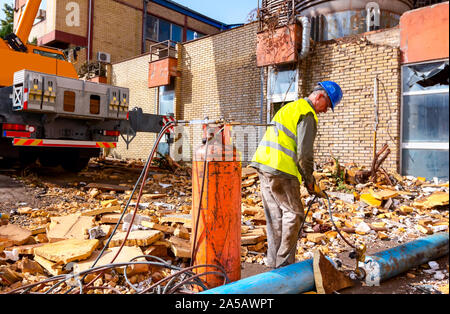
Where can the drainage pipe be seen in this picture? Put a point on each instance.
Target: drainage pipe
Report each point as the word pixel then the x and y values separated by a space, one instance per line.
pixel 306 34
pixel 299 277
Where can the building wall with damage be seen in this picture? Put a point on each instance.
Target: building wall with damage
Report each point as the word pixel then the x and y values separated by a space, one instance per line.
pixel 355 62
pixel 219 78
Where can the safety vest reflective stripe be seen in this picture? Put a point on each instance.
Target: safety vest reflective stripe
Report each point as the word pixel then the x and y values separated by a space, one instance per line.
pixel 278 148
pixel 288 152
pixel 288 132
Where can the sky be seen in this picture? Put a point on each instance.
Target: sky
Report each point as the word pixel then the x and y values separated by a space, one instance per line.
pixel 226 11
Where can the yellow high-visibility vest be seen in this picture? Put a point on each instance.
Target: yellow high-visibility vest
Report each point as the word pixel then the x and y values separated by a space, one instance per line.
pixel 278 148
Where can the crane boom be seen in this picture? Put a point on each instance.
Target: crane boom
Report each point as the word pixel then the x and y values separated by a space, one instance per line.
pixel 27 19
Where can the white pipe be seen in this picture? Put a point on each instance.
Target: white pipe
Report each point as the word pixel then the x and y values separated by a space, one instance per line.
pixel 306 25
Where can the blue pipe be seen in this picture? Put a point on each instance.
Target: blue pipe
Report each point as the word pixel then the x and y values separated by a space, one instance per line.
pixel 291 279
pixel 299 277
pixel 390 263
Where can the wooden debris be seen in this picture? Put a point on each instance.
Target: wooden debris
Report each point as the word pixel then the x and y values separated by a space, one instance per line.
pixel 424 230
pixel 9 276
pixel 180 247
pixel 146 197
pixel 177 218
pixel 25 249
pixel 155 226
pixel 67 251
pixel 316 237
pixel 384 194
pixel 51 267
pixel 108 187
pixel 434 200
pixel 96 212
pixel 69 227
pixel 136 238
pixel 182 232
pixel 110 218
pixel 126 254
pixel 326 277
pixel 29 266
pixel 15 234
pixel 370 200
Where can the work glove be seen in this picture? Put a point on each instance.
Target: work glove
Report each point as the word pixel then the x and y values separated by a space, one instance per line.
pixel 313 188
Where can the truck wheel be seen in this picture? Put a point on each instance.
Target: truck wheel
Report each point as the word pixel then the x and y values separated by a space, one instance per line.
pixel 49 160
pixel 74 164
pixel 27 158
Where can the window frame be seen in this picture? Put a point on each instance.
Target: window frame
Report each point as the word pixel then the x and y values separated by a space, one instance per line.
pixel 424 145
pixel 280 98
pixel 157 29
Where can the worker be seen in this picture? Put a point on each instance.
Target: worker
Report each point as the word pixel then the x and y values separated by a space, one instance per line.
pixel 285 158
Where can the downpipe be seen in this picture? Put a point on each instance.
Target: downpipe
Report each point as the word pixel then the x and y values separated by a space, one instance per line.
pixel 299 277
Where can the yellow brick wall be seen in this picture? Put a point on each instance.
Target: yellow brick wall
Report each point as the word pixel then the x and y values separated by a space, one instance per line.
pixel 133 74
pixel 117 30
pixel 354 63
pixel 219 78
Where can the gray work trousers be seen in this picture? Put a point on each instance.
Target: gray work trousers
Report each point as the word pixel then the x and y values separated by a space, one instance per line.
pixel 284 215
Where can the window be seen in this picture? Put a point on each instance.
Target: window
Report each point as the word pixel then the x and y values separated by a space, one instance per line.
pixel 161 30
pixel 49 54
pixel 69 101
pixel 425 126
pixel 94 104
pixel 190 35
pixel 152 28
pixel 165 108
pixel 282 88
pixel 177 33
pixel 166 98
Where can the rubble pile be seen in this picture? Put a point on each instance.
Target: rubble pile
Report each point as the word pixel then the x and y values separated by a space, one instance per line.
pixel 74 224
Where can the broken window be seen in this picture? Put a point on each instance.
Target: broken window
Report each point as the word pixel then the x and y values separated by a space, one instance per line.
pixel 283 84
pixel 69 101
pixel 425 123
pixel 282 88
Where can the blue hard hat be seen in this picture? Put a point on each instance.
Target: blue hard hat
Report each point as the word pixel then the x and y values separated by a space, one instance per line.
pixel 334 92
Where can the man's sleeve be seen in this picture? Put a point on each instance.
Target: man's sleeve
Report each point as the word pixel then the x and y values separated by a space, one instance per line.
pixel 306 134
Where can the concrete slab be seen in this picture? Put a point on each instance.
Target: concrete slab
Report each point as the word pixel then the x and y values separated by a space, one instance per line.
pixel 69 227
pixel 67 251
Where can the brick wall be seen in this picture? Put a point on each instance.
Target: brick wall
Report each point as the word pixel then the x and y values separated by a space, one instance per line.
pixel 117 30
pixel 133 74
pixel 354 62
pixel 219 78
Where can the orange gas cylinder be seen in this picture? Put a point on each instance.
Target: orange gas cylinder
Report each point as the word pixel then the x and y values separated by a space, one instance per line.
pixel 216 236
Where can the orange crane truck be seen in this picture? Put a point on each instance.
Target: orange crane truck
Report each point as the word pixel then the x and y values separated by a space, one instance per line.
pixel 47 113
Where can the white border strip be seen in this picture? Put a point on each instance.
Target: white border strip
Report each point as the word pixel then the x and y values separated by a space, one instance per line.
pixel 425 145
pixel 427 92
